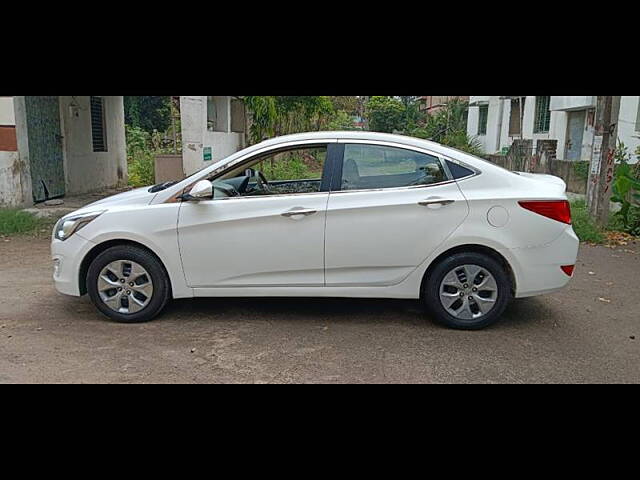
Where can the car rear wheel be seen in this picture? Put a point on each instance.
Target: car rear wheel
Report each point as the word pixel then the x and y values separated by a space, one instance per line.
pixel 128 284
pixel 467 291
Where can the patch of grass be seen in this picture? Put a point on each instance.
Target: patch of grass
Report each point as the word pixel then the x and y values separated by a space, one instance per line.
pixel 583 225
pixel 13 221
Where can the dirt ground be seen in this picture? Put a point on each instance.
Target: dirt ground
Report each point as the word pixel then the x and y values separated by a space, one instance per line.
pixel 590 332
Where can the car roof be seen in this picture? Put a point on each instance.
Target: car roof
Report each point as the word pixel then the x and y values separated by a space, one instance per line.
pixel 332 136
pixel 350 135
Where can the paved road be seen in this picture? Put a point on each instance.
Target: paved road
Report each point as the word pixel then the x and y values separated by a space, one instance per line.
pixel 570 336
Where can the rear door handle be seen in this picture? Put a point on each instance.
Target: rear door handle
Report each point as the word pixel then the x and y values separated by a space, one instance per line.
pixel 299 211
pixel 435 203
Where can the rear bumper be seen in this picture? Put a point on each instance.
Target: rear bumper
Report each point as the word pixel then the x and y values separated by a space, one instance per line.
pixel 537 269
pixel 67 257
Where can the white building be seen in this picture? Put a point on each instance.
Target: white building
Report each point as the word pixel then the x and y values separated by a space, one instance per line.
pixel 212 128
pixel 497 121
pixel 54 146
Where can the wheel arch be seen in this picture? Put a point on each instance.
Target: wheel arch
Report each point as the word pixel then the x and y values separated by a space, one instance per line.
pixel 101 247
pixel 475 248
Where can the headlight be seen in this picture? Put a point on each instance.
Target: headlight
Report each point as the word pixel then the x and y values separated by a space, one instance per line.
pixel 69 225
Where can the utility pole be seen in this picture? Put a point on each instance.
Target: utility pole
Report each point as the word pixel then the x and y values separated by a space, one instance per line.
pixel 603 158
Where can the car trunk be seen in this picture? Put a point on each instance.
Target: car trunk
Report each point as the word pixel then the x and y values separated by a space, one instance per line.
pixel 557 183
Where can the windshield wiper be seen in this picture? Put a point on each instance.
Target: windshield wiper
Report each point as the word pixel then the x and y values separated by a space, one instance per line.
pixel 161 186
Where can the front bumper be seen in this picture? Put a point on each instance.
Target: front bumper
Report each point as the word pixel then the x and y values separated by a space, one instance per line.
pixel 537 269
pixel 67 257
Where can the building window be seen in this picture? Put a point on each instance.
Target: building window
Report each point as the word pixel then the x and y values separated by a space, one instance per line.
pixel 515 118
pixel 237 115
pixel 98 129
pixel 543 115
pixel 482 119
pixel 218 114
pixel 212 117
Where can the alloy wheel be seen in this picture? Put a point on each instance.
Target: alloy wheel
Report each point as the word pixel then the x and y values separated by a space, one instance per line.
pixel 468 292
pixel 125 286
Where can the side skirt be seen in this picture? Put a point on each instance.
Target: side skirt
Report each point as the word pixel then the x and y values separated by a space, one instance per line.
pixel 344 292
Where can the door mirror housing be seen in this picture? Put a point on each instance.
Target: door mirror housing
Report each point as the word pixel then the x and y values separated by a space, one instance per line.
pixel 203 190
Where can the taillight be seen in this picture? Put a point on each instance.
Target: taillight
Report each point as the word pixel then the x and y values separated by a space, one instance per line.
pixel 555 209
pixel 568 269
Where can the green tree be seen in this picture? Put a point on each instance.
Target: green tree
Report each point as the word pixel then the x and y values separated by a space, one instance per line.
pixel 341 120
pixel 349 105
pixel 448 126
pixel 148 113
pixel 385 114
pixel 280 115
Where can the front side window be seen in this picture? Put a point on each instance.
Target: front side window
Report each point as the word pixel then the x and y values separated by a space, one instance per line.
pixel 291 171
pixel 370 166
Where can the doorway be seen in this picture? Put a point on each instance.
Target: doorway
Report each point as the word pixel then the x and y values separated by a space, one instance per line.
pixel 45 147
pixel 575 132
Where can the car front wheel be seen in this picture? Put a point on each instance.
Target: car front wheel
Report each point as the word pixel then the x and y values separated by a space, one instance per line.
pixel 128 284
pixel 467 291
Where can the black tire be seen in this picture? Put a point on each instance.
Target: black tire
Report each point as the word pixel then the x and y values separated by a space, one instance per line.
pixel 153 266
pixel 431 290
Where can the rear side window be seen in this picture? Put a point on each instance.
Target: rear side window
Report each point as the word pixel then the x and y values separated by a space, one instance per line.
pixel 458 171
pixel 372 166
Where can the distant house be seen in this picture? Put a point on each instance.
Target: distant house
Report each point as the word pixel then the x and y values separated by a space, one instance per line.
pixel 567 121
pixel 213 127
pixel 52 146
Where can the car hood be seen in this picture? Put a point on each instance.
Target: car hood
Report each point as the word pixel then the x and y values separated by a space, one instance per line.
pixel 138 196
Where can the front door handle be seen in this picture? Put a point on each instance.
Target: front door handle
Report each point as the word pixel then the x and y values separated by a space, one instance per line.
pixel 435 203
pixel 299 211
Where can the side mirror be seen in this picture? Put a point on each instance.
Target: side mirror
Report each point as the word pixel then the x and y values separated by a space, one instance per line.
pixel 203 190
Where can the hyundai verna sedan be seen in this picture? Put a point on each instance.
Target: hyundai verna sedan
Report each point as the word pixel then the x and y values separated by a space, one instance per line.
pixel 326 214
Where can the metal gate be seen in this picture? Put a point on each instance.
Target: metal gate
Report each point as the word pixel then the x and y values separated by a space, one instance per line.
pixel 45 147
pixel 575 131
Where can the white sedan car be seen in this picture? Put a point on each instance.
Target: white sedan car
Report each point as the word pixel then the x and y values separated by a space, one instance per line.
pixel 326 214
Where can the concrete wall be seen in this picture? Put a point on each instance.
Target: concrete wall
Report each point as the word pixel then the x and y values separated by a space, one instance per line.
pixel 15 175
pixel 86 170
pixel 7 117
pixel 10 190
pixel 497 136
pixel 627 124
pixel 196 136
pixel 9 156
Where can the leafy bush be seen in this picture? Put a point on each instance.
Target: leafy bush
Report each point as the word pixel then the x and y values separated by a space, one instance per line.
pixel 142 170
pixel 16 221
pixel 385 114
pixel 616 222
pixel 286 169
pixel 583 225
pixel 626 192
pixel 142 147
pixel 448 126
pixel 581 170
pixel 140 157
pixel 341 120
